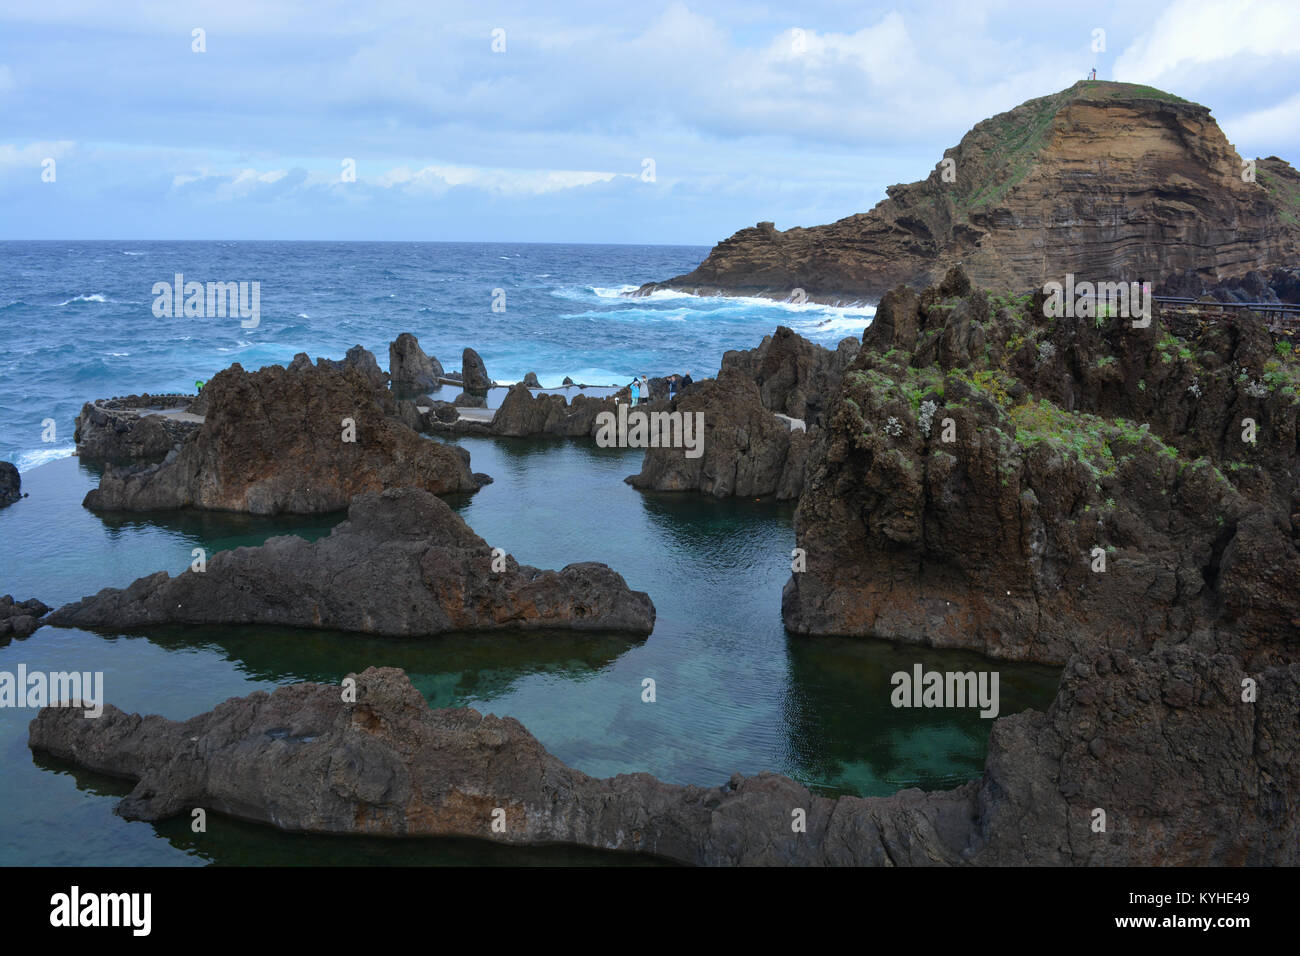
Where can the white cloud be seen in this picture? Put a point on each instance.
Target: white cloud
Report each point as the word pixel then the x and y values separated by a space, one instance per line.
pixel 33 153
pixel 506 182
pixel 1196 33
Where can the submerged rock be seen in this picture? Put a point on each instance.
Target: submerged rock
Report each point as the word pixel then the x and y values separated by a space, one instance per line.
pixel 302 440
pixel 402 564
pixel 1190 777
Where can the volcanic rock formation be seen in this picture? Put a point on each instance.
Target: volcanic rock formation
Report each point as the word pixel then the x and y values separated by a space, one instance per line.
pixel 303 439
pixel 1105 181
pixel 1187 773
pixel 744 449
pixel 1032 488
pixel 403 564
pixel 412 371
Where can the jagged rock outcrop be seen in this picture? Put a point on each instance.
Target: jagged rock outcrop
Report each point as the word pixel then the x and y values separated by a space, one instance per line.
pixel 1106 181
pixel 279 441
pixel 20 618
pixel 531 380
pixel 470 400
pixel 795 377
pixel 117 436
pixel 1187 773
pixel 411 371
pixel 1034 488
pixel 402 564
pixel 357 357
pixel 745 450
pixel 523 413
pixel 11 483
pixel 474 376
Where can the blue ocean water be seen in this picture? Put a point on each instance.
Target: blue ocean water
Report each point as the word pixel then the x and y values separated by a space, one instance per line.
pixel 77 317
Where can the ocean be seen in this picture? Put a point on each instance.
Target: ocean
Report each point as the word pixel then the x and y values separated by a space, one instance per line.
pixel 735 692
pixel 78 321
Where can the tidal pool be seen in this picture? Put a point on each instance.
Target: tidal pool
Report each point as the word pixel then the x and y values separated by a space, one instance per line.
pixel 734 691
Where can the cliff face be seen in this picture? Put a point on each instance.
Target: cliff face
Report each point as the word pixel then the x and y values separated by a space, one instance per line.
pixel 1033 488
pixel 1108 181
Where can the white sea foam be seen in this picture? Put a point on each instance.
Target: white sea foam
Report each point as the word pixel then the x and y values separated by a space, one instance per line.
pixel 27 460
pixel 97 297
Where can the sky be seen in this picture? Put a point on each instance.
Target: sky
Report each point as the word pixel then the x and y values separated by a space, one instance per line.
pixel 642 122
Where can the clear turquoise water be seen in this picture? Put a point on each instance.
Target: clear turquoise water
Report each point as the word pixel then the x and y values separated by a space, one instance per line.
pixel 735 693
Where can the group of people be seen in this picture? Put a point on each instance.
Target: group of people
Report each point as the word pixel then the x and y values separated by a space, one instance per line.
pixel 640 387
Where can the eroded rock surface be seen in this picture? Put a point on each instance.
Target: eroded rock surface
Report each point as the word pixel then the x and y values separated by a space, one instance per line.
pixel 1106 181
pixel 412 372
pixel 1032 487
pixel 279 441
pixel 402 564
pixel 745 450
pixel 1186 772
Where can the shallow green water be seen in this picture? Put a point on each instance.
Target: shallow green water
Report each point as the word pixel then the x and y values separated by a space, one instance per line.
pixel 734 692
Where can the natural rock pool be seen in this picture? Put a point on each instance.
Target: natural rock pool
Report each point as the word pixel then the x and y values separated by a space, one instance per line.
pixel 734 692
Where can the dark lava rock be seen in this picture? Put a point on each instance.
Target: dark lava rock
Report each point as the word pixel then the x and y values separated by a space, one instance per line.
pixel 11 483
pixel 979 459
pixel 276 441
pixel 403 564
pixel 1212 784
pixel 746 451
pixel 470 400
pixel 474 373
pixel 117 437
pixel 795 377
pixel 531 380
pixel 411 370
pixel 523 413
pixel 361 359
pixel 19 618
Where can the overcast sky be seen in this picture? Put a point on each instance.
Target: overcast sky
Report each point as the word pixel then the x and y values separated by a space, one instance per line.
pixel 748 111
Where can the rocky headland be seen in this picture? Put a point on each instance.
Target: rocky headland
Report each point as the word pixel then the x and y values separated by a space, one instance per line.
pixel 1106 181
pixel 403 564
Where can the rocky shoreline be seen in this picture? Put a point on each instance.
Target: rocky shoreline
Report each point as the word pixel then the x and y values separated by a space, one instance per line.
pixel 1185 777
pixel 1117 501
